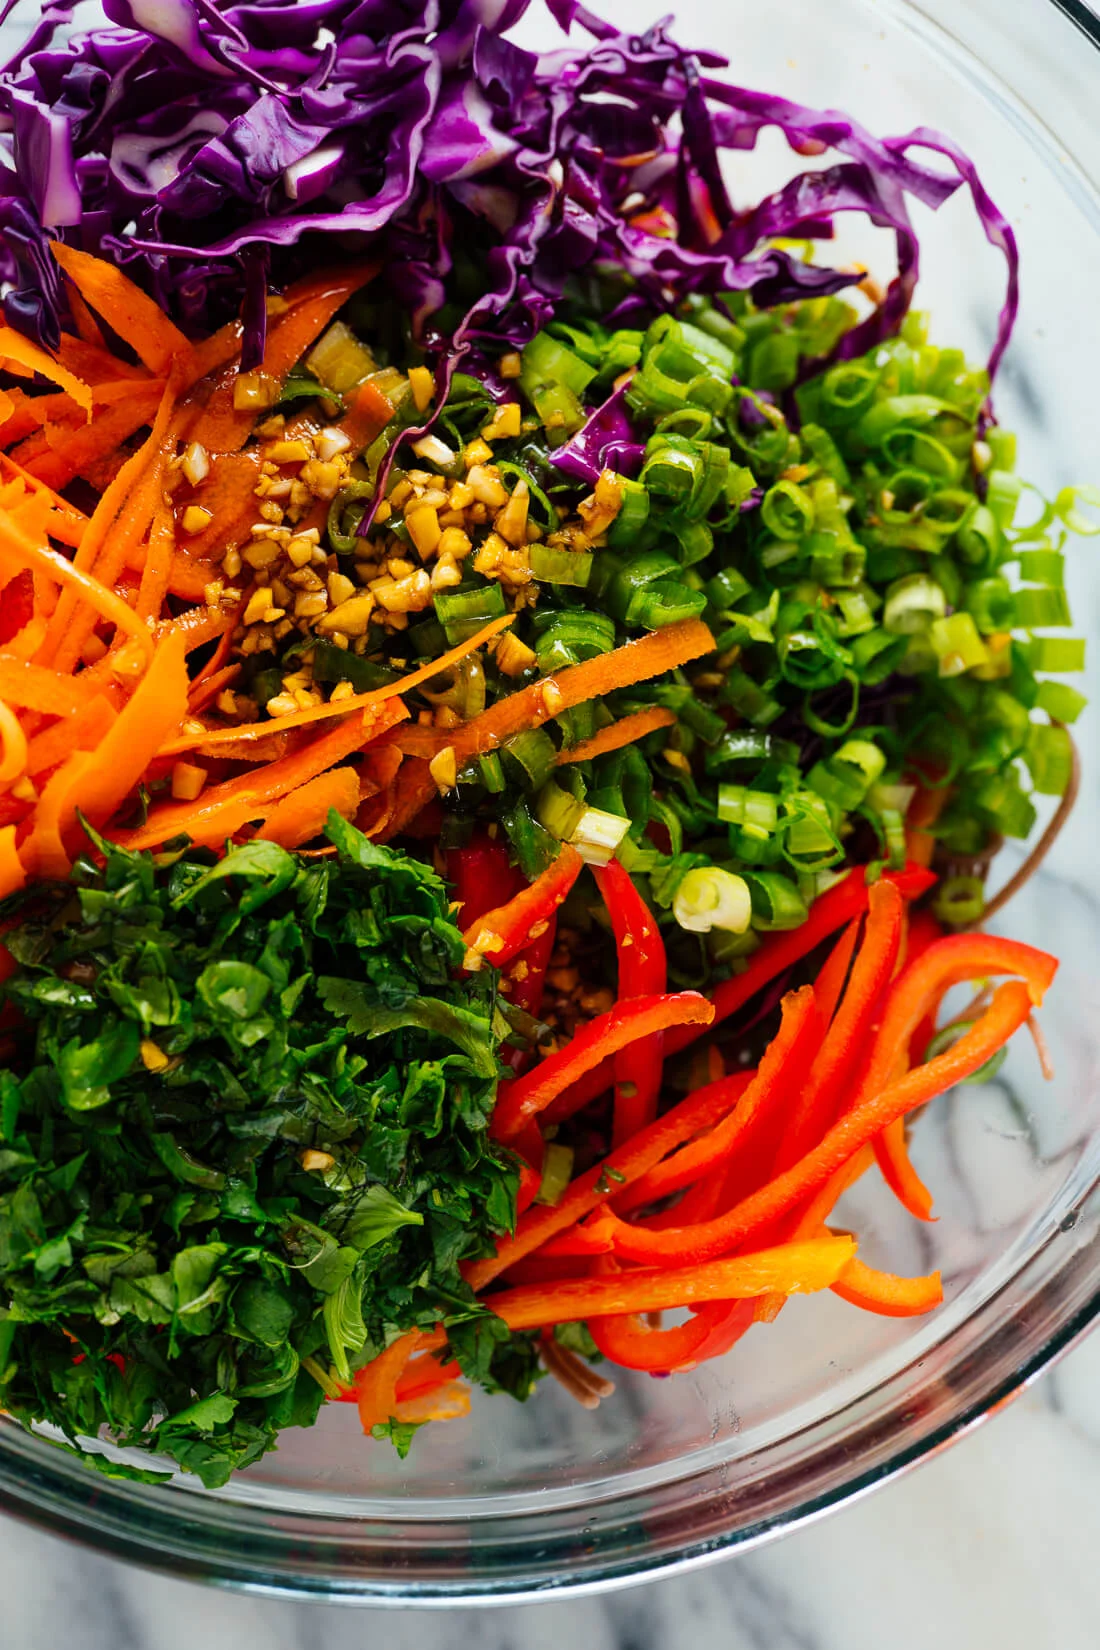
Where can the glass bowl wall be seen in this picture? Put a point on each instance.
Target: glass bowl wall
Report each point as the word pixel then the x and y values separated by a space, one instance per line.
pixel 828 1402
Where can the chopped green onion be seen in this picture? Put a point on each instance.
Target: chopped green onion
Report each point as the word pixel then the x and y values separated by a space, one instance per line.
pixel 555 566
pixel 749 699
pixel 709 897
pixel 990 603
pixel 1002 496
pixel 1049 757
pixel 1060 701
pixel 776 902
pixel 1057 655
pixel 557 1172
pixel 346 512
pixel 960 901
pixel 957 644
pixel 1043 607
pixel 597 835
pixel 462 613
pixel 912 604
pixel 756 811
pixel 786 511
pixel 1065 507
pixel 529 758
pixel 571 637
pixel 1004 804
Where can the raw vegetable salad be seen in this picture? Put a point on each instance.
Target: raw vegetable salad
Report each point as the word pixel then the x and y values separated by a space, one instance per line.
pixel 513 670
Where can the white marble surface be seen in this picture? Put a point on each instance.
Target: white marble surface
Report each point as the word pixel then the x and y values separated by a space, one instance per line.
pixel 992 1544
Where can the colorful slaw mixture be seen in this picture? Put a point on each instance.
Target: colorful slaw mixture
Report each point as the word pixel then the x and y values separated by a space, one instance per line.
pixel 513 671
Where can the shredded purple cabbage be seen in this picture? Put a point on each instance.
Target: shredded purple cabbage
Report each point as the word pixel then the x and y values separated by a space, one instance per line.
pixel 606 442
pixel 208 148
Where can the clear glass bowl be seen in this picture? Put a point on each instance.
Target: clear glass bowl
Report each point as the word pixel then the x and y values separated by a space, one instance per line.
pixel 829 1402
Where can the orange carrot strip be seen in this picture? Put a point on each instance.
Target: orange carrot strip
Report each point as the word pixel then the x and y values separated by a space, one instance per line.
pixel 81 732
pixel 157 572
pixel 223 809
pixel 66 522
pixel 29 685
pixel 13 747
pixel 341 707
pixel 627 731
pixel 93 361
pixel 792 1268
pixel 301 815
pixel 924 810
pixel 15 348
pixel 638 661
pixel 118 522
pixel 57 456
pixel 87 327
pixel 886 1293
pixel 126 309
pixel 12 875
pixel 103 781
pixel 17 544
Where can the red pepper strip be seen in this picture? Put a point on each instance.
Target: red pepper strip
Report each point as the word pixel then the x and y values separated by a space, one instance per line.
pixel 778 951
pixel 846 1040
pixel 700 1110
pixel 924 981
pixel 811 1221
pixel 886 1293
pixel 829 985
pixel 923 931
pixel 698 1157
pixel 499 934
pixel 629 1341
pixel 530 1179
pixel 376 1382
pixel 606 1034
pixel 690 1244
pixel 424 1373
pixel 581 1093
pixel 794 1268
pixel 643 972
pixel 892 1155
pixel 480 874
pixel 587 1237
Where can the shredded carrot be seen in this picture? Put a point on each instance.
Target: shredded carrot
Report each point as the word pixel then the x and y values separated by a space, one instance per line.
pixel 12 875
pixel 627 731
pixel 125 308
pixel 223 809
pixel 14 348
pixel 17 544
pixel 66 522
pixel 99 782
pixel 81 732
pixel 157 573
pixel 57 456
pixel 301 815
pixel 29 685
pixel 91 360
pixel 13 746
pixel 341 707
pixel 638 661
pixel 229 493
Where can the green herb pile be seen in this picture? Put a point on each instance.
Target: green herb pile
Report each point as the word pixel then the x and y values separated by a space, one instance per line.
pixel 169 1270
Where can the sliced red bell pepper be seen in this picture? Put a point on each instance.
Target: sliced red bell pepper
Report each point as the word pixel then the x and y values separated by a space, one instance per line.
pixel 689 1245
pixel 498 935
pixel 793 1268
pixel 699 1111
pixel 638 1017
pixel 846 1040
pixel 581 1093
pixel 887 1294
pixel 779 951
pixel 829 985
pixel 630 1342
pixel 643 972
